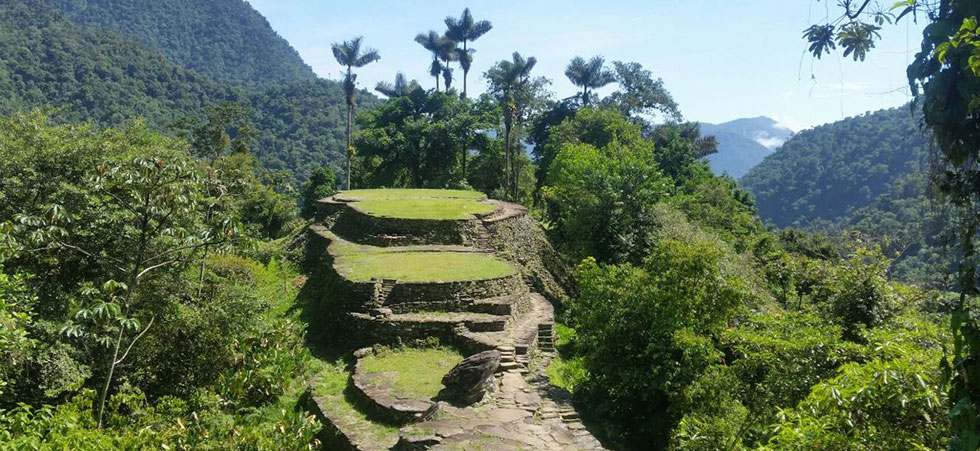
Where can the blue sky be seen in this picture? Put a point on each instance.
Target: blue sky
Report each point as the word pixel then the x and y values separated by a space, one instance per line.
pixel 721 59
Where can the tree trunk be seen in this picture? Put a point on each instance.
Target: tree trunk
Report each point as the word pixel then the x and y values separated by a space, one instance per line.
pixel 130 289
pixel 437 75
pixel 108 379
pixel 350 117
pixel 507 166
pixel 465 73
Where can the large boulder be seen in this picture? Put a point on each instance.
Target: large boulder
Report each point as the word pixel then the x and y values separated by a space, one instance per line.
pixel 470 380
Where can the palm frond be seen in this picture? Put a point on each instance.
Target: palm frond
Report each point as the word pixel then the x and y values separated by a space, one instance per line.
pixel 368 57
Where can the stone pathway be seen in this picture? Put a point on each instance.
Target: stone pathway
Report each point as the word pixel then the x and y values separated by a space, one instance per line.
pixel 525 412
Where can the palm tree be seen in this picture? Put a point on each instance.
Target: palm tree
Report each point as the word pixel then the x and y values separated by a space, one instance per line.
pixel 350 55
pixel 588 75
pixel 464 30
pixel 400 88
pixel 508 80
pixel 441 47
pixel 447 53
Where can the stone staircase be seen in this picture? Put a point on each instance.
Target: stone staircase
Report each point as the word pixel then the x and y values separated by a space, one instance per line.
pixel 483 240
pixel 382 288
pixel 508 360
pixel 546 338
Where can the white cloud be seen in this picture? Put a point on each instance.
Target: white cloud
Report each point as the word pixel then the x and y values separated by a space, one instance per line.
pixel 769 141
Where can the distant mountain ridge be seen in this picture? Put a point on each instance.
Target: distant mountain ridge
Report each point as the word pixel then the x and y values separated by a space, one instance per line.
pixel 225 40
pixel 744 143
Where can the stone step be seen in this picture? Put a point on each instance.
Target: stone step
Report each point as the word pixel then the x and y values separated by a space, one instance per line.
pixel 569 416
pixel 507 366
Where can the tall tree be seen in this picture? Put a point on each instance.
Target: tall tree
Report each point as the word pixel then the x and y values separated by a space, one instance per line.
pixel 441 48
pixel 401 86
pixel 463 30
pixel 639 94
pixel 509 82
pixel 350 55
pixel 589 75
pixel 447 53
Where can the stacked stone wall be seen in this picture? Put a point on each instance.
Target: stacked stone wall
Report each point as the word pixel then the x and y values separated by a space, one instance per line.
pixel 521 241
pixel 438 292
pixel 357 226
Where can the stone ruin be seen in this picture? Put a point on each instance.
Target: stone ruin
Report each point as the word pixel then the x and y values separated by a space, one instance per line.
pixel 499 397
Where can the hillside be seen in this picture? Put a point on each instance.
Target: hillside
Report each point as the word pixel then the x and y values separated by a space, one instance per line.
pixel 829 171
pixel 226 40
pixel 865 174
pixel 89 74
pixel 93 75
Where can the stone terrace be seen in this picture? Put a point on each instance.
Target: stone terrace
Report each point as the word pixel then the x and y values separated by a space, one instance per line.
pixel 472 315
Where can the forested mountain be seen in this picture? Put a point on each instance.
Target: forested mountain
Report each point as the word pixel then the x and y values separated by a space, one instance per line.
pixel 744 143
pixel 89 74
pixel 226 40
pixel 832 170
pixel 865 174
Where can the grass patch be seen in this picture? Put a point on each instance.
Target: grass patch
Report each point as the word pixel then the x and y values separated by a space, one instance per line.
pixel 330 388
pixel 422 266
pixel 439 209
pixel 566 374
pixel 376 194
pixel 567 369
pixel 417 372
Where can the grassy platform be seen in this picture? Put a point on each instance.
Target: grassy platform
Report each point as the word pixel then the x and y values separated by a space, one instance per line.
pixel 422 266
pixel 330 388
pixel 440 209
pixel 382 194
pixel 417 373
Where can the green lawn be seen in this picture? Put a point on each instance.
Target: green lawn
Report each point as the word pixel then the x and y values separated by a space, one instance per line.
pixel 418 372
pixel 380 194
pixel 330 388
pixel 422 266
pixel 425 208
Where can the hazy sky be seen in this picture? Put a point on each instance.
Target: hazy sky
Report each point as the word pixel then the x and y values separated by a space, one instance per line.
pixel 721 59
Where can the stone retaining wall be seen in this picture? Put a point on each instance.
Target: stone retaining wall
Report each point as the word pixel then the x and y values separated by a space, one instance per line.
pixel 437 292
pixel 368 329
pixel 521 241
pixel 357 226
pixel 331 436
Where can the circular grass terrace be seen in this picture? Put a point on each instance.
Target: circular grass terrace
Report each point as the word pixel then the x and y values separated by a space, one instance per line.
pixel 422 266
pixel 413 373
pixel 388 194
pixel 435 209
